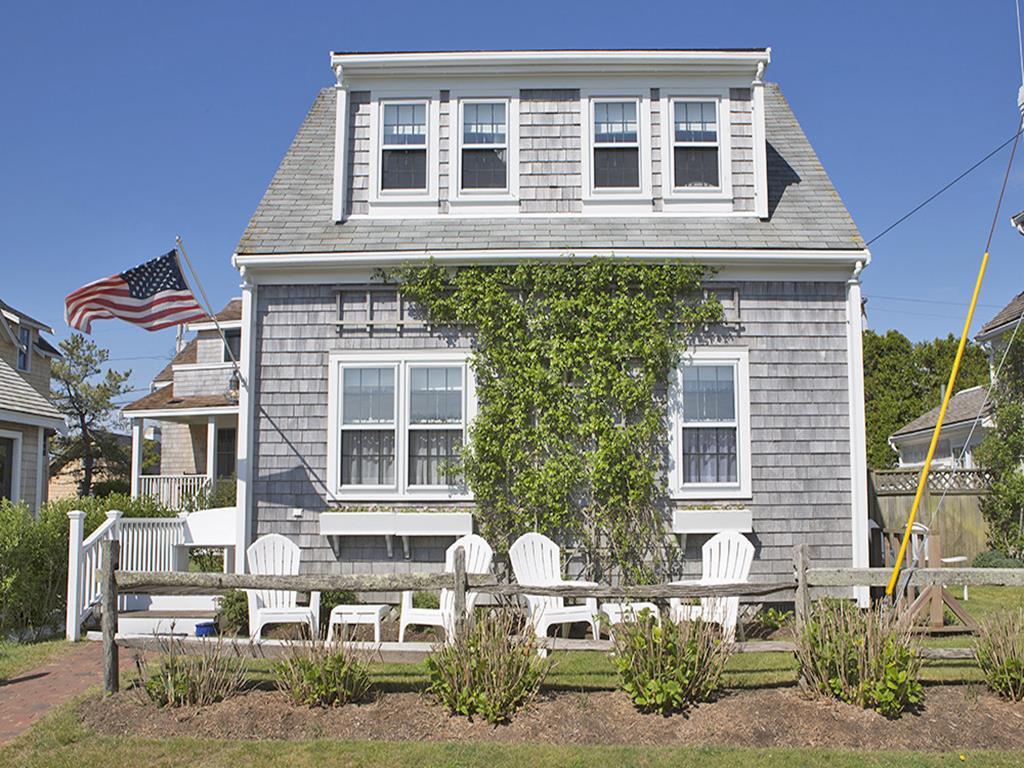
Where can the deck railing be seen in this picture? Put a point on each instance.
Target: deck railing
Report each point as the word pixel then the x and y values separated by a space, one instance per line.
pixel 899 482
pixel 174 491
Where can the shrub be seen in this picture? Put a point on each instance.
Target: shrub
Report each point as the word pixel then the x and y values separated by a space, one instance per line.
pixel 429 600
pixel 490 669
pixel 670 667
pixel 186 678
pixel 992 559
pixel 1000 653
pixel 318 674
pixel 222 493
pixel 859 657
pixel 768 621
pixel 234 612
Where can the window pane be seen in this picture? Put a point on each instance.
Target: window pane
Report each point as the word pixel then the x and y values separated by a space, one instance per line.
pixel 367 457
pixel 615 122
pixel 24 337
pixel 483 168
pixel 483 124
pixel 617 168
pixel 709 393
pixel 709 455
pixel 405 124
pixel 226 441
pixel 6 467
pixel 233 345
pixel 435 396
pixel 695 121
pixel 433 455
pixel 368 396
pixel 403 169
pixel 696 167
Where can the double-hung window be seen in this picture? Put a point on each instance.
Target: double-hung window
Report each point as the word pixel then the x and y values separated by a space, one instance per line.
pixel 695 150
pixel 616 144
pixel 403 155
pixel 711 425
pixel 233 345
pixel 484 161
pixel 24 351
pixel 368 425
pixel 437 421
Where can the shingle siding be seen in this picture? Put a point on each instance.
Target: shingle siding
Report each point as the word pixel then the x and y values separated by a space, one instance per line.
pixel 796 334
pixel 550 179
pixel 742 148
pixel 358 186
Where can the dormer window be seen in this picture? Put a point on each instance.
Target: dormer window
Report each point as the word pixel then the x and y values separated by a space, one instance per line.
pixel 695 144
pixel 616 145
pixel 403 163
pixel 24 342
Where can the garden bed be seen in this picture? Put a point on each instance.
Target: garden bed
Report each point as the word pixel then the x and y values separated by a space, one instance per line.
pixel 954 717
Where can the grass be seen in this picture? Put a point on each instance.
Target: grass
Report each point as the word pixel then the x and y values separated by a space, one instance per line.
pixel 59 740
pixel 16 658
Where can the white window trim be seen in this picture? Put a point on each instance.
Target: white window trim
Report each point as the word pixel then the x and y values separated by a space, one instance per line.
pixel 398 199
pixel 741 489
pixel 15 463
pixel 483 201
pixel 605 197
pixel 27 350
pixel 676 198
pixel 402 360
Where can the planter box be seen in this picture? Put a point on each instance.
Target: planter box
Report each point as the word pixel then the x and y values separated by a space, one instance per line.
pixel 711 520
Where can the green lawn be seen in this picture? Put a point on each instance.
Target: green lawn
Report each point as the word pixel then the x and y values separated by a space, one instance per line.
pixel 16 658
pixel 60 741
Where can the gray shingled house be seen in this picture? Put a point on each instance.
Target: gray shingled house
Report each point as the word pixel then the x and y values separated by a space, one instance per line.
pixel 469 157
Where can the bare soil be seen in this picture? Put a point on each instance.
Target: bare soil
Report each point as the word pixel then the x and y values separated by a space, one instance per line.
pixel 955 717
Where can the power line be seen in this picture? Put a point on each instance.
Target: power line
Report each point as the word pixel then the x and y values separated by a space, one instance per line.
pixel 928 301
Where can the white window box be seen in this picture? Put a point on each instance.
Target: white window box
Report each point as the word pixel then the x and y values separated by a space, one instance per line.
pixel 391 524
pixel 711 520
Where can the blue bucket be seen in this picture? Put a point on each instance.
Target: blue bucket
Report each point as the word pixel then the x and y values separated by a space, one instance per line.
pixel 206 629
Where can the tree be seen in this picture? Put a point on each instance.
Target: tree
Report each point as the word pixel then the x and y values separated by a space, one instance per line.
pixel 1002 452
pixel 903 379
pixel 85 394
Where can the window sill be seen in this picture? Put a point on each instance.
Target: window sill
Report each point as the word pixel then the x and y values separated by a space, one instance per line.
pixel 374 494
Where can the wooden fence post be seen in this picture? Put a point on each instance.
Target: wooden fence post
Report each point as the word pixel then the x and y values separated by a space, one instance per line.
pixel 111 550
pixel 460 589
pixel 802 603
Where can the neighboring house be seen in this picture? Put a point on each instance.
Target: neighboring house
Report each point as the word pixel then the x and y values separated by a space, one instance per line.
pixel 470 157
pixel 66 472
pixel 194 402
pixel 27 418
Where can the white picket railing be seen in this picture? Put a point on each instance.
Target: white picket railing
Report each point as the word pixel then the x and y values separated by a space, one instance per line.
pixel 151 544
pixel 84 564
pixel 173 491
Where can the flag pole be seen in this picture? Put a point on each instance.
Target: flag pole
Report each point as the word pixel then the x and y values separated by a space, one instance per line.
pixel 213 315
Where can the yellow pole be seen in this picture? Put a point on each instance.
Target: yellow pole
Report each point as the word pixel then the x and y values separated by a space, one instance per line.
pixel 923 480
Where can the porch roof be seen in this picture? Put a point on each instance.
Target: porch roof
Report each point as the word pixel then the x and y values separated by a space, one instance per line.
pixel 164 399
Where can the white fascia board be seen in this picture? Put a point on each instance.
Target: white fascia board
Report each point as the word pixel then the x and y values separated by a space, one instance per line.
pixel 207 325
pixel 171 413
pixel 33 420
pixel 949 429
pixel 999 330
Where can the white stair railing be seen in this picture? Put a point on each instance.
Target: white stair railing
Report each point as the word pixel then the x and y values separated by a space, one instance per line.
pixel 174 491
pixel 151 544
pixel 84 564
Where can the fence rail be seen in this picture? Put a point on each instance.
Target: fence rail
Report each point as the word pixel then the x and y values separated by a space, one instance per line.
pixel 460 582
pixel 898 482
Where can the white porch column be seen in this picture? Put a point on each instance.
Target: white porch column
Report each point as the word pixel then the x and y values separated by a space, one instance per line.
pixel 858 437
pixel 244 447
pixel 340 144
pixel 211 449
pixel 137 441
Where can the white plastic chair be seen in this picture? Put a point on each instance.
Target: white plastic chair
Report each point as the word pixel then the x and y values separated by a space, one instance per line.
pixel 725 558
pixel 537 561
pixel 478 560
pixel 275 555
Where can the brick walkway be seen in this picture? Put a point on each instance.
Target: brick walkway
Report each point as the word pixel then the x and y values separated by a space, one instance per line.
pixel 30 695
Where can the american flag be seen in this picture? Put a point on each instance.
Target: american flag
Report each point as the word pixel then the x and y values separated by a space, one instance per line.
pixel 153 295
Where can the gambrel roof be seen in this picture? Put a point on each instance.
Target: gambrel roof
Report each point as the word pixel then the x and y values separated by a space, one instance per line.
pixel 295 216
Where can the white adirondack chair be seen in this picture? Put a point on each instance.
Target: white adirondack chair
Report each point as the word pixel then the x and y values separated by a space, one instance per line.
pixel 273 554
pixel 725 557
pixel 537 561
pixel 478 560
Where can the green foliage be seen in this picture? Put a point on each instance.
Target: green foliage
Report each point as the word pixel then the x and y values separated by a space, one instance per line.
pixel 490 669
pixel 184 677
pixel 859 657
pixel 34 557
pixel 903 379
pixel 1003 453
pixel 429 600
pixel 222 493
pixel 669 667
pixel 991 559
pixel 85 391
pixel 234 613
pixel 1000 653
pixel 572 362
pixel 768 621
pixel 315 674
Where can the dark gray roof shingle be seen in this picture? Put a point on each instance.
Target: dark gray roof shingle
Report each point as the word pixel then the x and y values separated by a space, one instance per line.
pixel 963 406
pixel 294 216
pixel 1008 314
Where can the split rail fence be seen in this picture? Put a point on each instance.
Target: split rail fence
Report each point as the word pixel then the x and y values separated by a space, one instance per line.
pixel 797 590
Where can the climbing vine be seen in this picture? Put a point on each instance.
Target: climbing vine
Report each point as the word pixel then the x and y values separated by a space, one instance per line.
pixel 572 361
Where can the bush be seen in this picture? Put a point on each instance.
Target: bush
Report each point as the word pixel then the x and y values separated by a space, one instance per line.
pixel 670 667
pixel 316 674
pixel 859 657
pixel 234 613
pixel 428 600
pixel 1000 653
pixel 768 621
pixel 992 559
pixel 184 678
pixel 490 669
pixel 222 493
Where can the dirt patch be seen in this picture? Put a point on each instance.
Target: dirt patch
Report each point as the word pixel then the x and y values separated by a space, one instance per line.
pixel 955 717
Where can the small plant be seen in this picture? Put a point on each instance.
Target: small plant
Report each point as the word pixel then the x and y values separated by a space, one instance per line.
pixel 184 677
pixel 769 621
pixel 991 559
pixel 867 658
pixel 670 667
pixel 234 613
pixel 1000 653
pixel 489 669
pixel 318 674
pixel 429 600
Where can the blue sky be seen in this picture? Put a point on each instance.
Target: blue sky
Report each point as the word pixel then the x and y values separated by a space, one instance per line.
pixel 125 124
